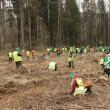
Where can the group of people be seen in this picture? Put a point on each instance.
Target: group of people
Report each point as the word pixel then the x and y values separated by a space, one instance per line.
pixel 78 85
pixel 16 56
pixel 76 50
pixel 30 53
pixel 71 51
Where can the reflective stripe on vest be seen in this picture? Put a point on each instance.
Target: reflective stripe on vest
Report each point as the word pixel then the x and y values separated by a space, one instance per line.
pixel 16 57
pixel 79 81
pixel 102 61
pixel 52 66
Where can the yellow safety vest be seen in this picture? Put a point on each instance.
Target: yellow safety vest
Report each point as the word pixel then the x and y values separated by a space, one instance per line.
pixel 16 57
pixel 27 53
pixel 70 59
pixel 101 61
pixel 79 82
pixel 52 65
pixel 10 55
pixel 80 89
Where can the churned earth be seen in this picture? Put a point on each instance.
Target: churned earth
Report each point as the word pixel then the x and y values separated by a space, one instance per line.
pixel 36 88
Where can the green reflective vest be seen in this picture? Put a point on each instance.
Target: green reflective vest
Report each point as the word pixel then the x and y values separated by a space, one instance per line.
pixel 16 57
pixel 107 65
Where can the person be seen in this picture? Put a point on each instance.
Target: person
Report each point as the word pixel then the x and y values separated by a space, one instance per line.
pixel 73 78
pixel 103 59
pixel 102 63
pixel 81 50
pixel 71 60
pixel 27 55
pixel 55 50
pixel 65 49
pixel 85 50
pixel 10 56
pixel 107 67
pixel 52 66
pixel 33 54
pixel 58 52
pixel 48 51
pixel 17 58
pixel 105 62
pixel 78 85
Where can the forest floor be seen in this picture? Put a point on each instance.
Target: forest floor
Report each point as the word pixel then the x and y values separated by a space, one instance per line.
pixel 36 88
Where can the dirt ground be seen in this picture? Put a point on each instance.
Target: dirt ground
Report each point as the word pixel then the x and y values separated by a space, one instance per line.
pixel 36 88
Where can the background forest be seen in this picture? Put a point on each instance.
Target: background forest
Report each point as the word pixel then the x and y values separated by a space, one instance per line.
pixel 34 23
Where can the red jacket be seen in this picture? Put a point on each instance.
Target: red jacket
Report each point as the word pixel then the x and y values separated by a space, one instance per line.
pixel 73 84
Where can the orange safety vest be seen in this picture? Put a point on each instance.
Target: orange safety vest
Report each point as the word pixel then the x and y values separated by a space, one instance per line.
pixel 33 53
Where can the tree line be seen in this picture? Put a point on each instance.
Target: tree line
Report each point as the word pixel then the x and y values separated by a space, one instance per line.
pixel 53 23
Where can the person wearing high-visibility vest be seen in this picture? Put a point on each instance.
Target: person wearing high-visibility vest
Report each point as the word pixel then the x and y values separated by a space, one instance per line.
pixel 78 85
pixel 10 56
pixel 65 49
pixel 33 54
pixel 73 85
pixel 27 55
pixel 58 52
pixel 103 60
pixel 17 58
pixel 52 66
pixel 48 51
pixel 107 65
pixel 71 60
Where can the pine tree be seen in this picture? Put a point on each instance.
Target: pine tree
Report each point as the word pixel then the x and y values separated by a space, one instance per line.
pixel 102 22
pixel 72 17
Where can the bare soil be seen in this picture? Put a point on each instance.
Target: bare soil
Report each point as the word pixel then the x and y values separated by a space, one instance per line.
pixel 34 87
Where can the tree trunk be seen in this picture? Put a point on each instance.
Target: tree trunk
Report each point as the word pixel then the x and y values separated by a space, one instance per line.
pixel 22 24
pixel 29 19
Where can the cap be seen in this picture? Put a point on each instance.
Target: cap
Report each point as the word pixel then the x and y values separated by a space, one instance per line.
pixel 71 75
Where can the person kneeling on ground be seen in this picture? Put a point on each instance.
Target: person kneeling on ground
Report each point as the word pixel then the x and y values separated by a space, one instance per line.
pixel 52 66
pixel 17 58
pixel 78 85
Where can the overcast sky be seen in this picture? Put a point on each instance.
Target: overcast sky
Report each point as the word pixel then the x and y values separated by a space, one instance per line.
pixel 81 1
